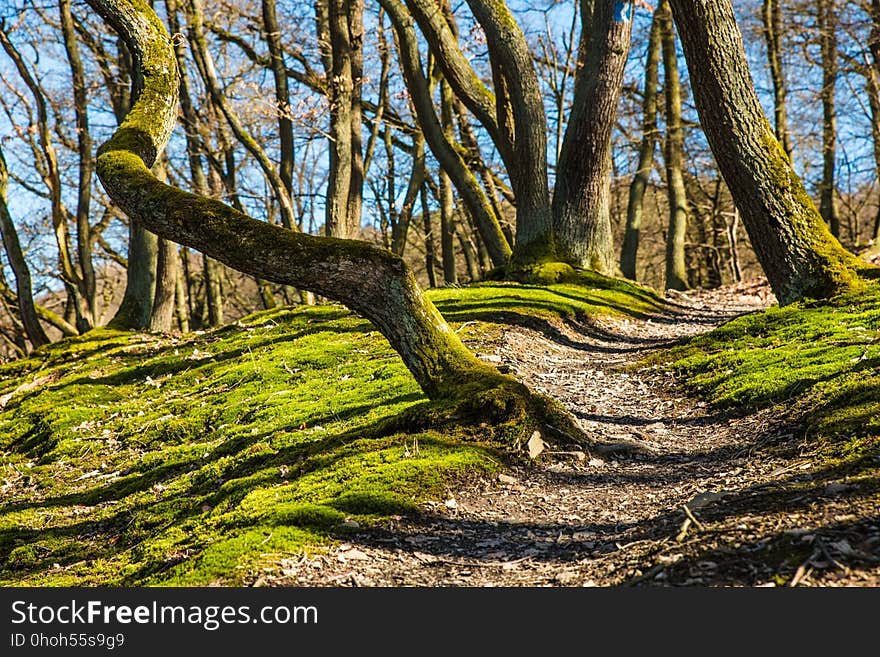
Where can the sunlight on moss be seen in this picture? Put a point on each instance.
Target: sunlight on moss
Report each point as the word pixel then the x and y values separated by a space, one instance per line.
pixel 198 459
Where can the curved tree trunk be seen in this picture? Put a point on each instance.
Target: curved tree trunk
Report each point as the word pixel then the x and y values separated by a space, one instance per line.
pixel 369 280
pixel 794 246
pixel 630 248
pixel 676 267
pixel 581 211
pixel 519 100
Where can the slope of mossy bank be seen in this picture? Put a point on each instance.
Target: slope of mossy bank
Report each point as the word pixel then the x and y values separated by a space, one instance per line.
pixel 818 363
pixel 134 459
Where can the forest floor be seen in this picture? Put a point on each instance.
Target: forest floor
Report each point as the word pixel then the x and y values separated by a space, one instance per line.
pixel 696 496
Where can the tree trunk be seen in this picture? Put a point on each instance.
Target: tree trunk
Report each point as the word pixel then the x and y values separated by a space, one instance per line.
pixel 24 291
pixel 344 54
pixel 771 16
pixel 797 252
pixel 140 280
pixel 581 199
pixel 84 241
pixel 213 271
pixel 449 158
pixel 167 274
pixel 272 36
pixel 182 310
pixel 827 25
pixel 635 208
pixel 447 201
pixel 676 266
pixel 429 237
pixel 519 100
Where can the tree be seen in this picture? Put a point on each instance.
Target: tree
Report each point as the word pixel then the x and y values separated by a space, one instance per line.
pixel 827 26
pixel 24 291
pixel 635 208
pixel 794 246
pixel 340 33
pixel 367 279
pixel 581 198
pixel 676 267
pixel 771 16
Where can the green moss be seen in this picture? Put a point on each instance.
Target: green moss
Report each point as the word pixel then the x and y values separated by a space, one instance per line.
pixel 818 361
pixel 199 459
pixel 826 267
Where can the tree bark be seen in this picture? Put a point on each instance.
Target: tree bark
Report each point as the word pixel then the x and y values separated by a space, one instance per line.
pixel 272 36
pixel 52 180
pixel 369 280
pixel 84 240
pixel 581 211
pixel 447 200
pixel 23 288
pixel 676 266
pixel 450 159
pixel 794 246
pixel 827 25
pixel 517 85
pixel 167 274
pixel 345 32
pixel 771 16
pixel 635 208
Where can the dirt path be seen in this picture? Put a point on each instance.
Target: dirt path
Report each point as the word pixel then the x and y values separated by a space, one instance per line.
pixel 569 521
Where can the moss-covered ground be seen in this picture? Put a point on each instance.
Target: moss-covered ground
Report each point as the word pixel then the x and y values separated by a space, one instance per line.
pixel 134 459
pixel 817 363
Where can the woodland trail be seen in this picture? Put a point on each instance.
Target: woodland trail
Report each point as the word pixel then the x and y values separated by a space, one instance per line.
pixel 603 520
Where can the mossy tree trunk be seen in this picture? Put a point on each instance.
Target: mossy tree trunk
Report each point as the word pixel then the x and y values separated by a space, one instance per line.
pixel 794 246
pixel 369 280
pixel 27 310
pixel 635 208
pixel 676 266
pixel 581 200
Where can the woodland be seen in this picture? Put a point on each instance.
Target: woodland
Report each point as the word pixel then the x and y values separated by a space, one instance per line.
pixel 440 293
